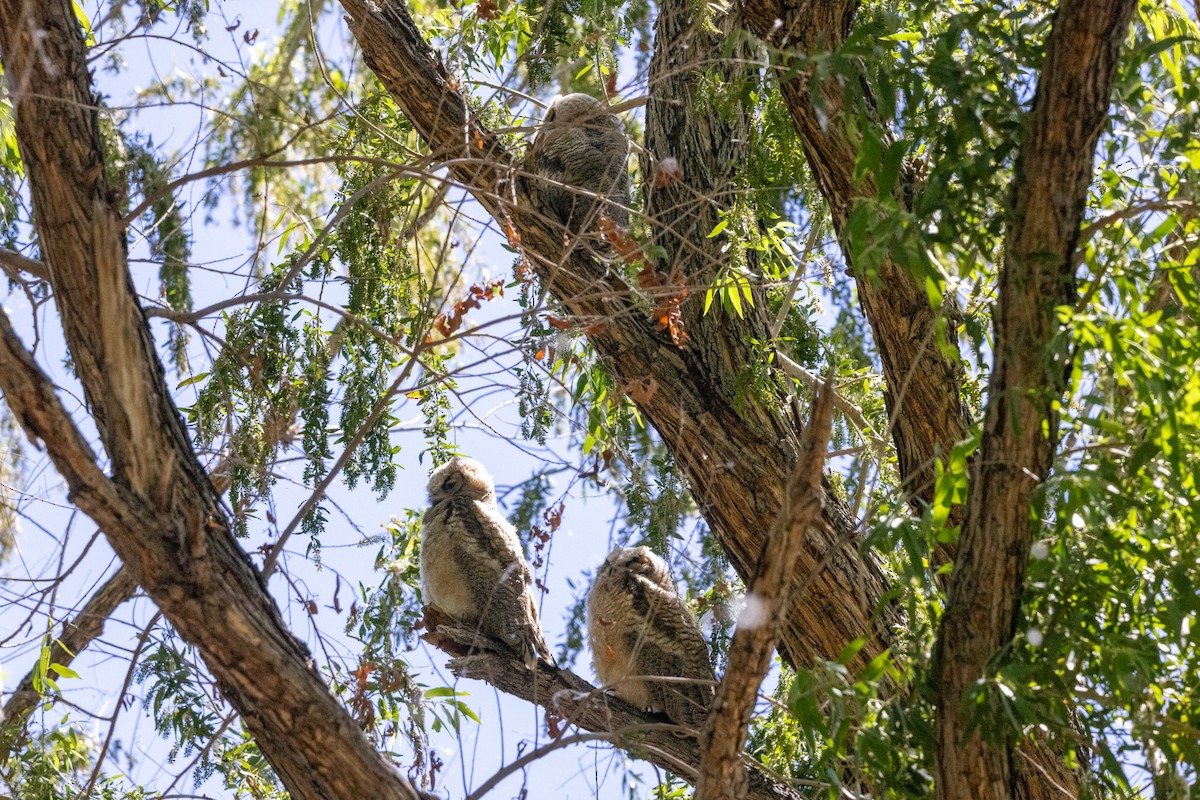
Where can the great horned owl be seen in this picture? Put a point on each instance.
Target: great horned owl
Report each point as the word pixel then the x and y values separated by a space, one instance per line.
pixel 472 565
pixel 579 152
pixel 638 627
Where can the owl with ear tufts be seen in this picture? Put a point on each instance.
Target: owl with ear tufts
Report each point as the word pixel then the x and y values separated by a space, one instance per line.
pixel 472 564
pixel 576 162
pixel 640 629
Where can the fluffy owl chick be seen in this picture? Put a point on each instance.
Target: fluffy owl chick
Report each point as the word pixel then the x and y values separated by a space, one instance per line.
pixel 472 565
pixel 638 626
pixel 579 152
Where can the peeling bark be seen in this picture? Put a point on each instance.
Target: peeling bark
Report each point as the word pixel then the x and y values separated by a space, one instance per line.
pixel 723 775
pixel 1033 362
pixel 159 511
pixel 570 700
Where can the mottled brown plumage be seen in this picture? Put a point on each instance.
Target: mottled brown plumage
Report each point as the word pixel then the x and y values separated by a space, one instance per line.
pixel 638 627
pixel 579 152
pixel 472 564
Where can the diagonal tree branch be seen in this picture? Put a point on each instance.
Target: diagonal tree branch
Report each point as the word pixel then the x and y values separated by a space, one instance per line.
pixel 77 633
pixel 87 626
pixel 159 511
pixel 733 446
pixel 1031 374
pixel 21 268
pixel 570 700
pixel 913 339
pixel 723 774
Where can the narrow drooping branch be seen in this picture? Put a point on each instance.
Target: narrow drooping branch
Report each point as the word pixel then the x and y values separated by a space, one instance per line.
pixel 734 446
pixel 723 774
pixel 917 343
pixel 572 701
pixel 159 511
pixel 1030 376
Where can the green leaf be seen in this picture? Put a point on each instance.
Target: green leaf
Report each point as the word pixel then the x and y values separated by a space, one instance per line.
pixel 64 671
pixel 193 379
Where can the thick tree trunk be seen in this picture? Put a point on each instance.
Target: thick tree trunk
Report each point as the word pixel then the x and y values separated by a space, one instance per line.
pixel 159 511
pixel 1033 363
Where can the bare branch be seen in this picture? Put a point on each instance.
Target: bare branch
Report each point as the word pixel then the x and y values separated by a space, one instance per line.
pixel 77 633
pixel 21 268
pixel 852 412
pixel 570 700
pixel 723 773
pixel 1135 210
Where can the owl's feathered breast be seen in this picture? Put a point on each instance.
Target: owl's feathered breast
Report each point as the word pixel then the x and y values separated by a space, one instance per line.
pixel 468 549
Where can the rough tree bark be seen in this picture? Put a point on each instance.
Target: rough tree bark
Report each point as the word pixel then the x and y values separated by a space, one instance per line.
pixel 710 148
pixel 735 450
pixel 917 344
pixel 159 511
pixel 1033 363
pixel 723 775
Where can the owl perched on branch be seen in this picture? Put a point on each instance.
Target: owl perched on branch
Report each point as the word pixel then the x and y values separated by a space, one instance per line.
pixel 472 565
pixel 576 162
pixel 639 628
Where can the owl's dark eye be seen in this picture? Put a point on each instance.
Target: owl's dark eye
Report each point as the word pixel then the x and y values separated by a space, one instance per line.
pixel 448 484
